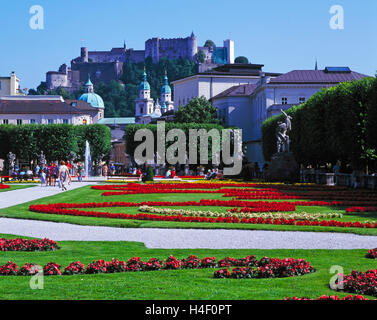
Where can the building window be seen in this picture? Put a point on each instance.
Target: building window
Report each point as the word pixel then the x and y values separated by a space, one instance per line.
pixel 84 121
pixel 284 100
pixel 50 121
pixel 19 121
pixel 141 109
pixel 32 120
pixel 65 121
pixel 5 121
pixel 301 100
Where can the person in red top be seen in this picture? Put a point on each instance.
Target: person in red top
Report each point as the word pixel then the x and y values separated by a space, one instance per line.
pixel 69 166
pixel 173 173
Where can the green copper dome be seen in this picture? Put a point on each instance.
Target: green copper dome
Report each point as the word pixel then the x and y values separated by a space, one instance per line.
pixel 93 99
pixel 165 89
pixel 144 85
pixel 90 97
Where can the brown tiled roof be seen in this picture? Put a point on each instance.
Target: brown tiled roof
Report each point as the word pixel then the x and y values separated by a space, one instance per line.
pixel 237 91
pixel 81 105
pixel 317 76
pixel 36 106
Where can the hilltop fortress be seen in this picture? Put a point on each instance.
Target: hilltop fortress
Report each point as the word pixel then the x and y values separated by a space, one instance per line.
pixel 108 65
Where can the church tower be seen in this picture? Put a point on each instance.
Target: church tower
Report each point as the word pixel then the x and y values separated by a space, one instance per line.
pixel 144 104
pixel 166 103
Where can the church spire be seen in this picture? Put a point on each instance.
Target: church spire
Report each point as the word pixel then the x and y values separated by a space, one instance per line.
pixel 316 64
pixel 89 85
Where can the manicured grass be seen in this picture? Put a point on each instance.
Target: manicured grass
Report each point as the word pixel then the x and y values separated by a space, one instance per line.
pixel 17 186
pixel 173 284
pixel 86 194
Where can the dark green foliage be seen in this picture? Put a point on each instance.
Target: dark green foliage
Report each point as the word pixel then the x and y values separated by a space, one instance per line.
pixel 209 43
pixel 150 174
pixel 241 59
pixel 201 56
pixel 99 138
pixel 55 140
pixel 198 110
pixel 338 123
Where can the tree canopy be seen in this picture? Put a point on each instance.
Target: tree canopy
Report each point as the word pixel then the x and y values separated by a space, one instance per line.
pixel 209 43
pixel 241 59
pixel 198 110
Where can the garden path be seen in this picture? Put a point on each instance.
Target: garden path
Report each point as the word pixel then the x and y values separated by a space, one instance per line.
pixel 18 196
pixel 189 238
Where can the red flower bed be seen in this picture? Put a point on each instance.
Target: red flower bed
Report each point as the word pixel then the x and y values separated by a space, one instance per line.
pixel 4 186
pixel 74 268
pixel 324 297
pixel 372 254
pixel 99 266
pixel 361 209
pixel 268 268
pixel 19 244
pixel 29 269
pixel 359 282
pixel 9 269
pixel 257 206
pixel 52 269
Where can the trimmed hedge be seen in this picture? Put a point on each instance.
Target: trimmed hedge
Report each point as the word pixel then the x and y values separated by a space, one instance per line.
pixel 55 140
pixel 338 123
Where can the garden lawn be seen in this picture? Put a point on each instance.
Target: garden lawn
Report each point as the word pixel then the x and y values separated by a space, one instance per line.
pixel 86 194
pixel 173 284
pixel 17 186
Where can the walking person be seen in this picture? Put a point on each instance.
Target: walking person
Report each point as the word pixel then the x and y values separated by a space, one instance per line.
pixel 105 170
pixel 64 175
pixel 80 168
pixel 54 173
pixel 43 175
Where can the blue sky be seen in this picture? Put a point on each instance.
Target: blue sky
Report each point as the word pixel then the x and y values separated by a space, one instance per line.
pixel 282 35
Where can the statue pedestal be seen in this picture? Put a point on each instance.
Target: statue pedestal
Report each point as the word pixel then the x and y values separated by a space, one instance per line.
pixel 283 168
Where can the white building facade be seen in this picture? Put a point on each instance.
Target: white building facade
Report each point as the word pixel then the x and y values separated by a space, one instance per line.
pixel 212 83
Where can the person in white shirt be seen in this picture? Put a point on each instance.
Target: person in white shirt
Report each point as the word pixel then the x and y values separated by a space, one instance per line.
pixel 64 175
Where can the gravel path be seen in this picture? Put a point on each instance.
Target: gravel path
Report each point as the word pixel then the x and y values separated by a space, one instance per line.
pixel 18 196
pixel 189 238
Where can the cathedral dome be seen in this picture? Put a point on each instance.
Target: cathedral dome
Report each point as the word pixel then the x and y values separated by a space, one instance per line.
pixel 93 99
pixel 90 97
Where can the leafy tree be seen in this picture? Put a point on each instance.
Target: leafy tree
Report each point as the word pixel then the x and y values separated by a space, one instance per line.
pixel 198 110
pixel 201 56
pixel 209 43
pixel 241 59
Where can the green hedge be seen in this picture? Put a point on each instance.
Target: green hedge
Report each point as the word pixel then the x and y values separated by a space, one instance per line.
pixel 55 140
pixel 338 123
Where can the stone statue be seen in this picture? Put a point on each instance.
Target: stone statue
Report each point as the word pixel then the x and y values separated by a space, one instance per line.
pixel 42 158
pixel 244 153
pixel 99 164
pixel 281 133
pixel 11 158
pixel 72 157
